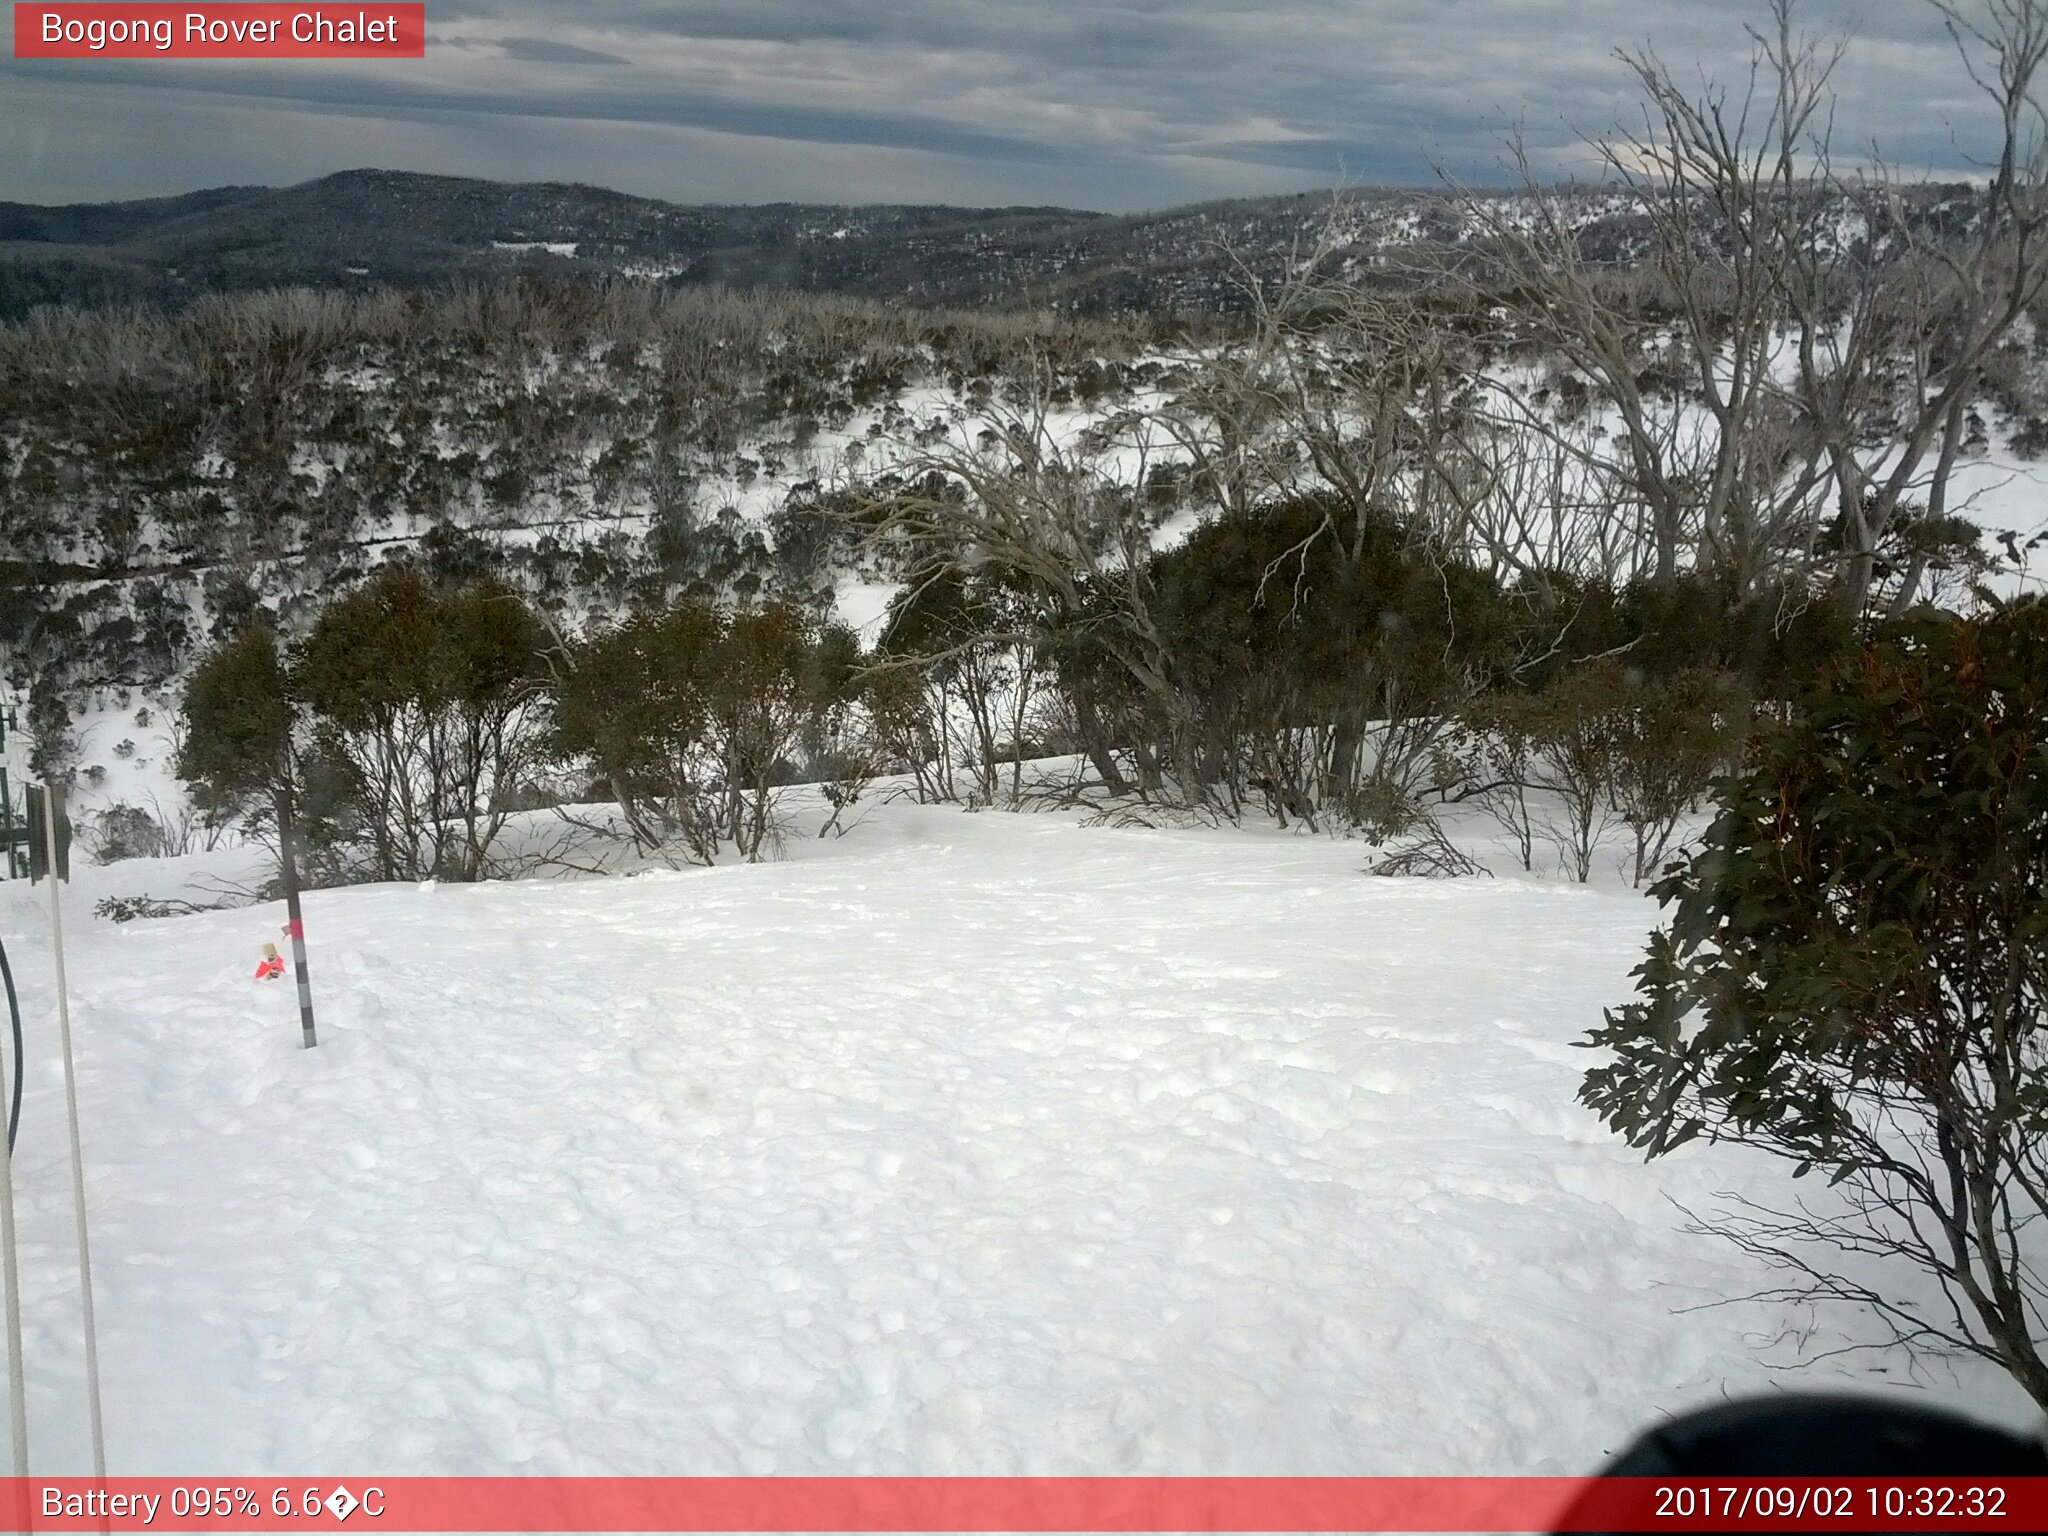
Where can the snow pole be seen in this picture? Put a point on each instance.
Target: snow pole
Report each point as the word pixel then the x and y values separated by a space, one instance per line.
pixel 17 1383
pixel 12 757
pixel 295 924
pixel 51 792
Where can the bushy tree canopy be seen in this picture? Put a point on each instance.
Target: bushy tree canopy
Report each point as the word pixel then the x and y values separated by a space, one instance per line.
pixel 692 714
pixel 238 720
pixel 427 706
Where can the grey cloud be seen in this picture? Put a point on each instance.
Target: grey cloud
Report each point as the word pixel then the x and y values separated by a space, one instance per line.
pixel 650 104
pixel 540 50
pixel 1126 103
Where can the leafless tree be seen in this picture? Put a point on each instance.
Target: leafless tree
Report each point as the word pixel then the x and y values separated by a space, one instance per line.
pixel 1803 386
pixel 1064 526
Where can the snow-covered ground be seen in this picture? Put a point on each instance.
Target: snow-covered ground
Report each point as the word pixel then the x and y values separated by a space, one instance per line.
pixel 128 746
pixel 965 1143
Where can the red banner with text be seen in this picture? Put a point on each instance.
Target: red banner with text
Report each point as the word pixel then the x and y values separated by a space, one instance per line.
pixel 1038 1504
pixel 220 31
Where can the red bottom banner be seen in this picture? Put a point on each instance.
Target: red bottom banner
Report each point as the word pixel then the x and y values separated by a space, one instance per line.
pixel 919 1504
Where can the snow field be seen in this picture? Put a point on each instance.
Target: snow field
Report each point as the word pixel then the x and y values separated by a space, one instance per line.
pixel 965 1144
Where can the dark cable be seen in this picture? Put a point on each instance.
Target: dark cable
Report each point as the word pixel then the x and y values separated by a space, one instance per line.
pixel 13 1013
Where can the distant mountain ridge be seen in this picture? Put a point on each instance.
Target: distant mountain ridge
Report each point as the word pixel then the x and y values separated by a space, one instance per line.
pixel 377 228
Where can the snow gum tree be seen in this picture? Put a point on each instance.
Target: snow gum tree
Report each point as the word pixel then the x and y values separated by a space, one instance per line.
pixel 1798 393
pixel 696 716
pixel 239 755
pixel 971 634
pixel 1854 978
pixel 634 702
pixel 237 747
pixel 767 691
pixel 428 705
pixel 1324 669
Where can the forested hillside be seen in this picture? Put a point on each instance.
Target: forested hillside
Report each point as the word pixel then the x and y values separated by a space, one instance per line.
pixel 164 474
pixel 1393 461
pixel 361 231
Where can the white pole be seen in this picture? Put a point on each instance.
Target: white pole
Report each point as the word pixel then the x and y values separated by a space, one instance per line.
pixel 17 1384
pixel 92 1348
pixel 10 1257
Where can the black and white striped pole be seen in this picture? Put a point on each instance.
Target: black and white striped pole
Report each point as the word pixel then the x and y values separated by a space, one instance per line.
pixel 12 743
pixel 295 918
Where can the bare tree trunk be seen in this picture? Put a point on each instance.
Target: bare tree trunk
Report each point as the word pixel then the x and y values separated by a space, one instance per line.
pixel 1095 743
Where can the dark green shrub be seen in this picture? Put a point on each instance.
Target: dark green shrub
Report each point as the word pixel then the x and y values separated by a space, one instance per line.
pixel 1854 979
pixel 697 718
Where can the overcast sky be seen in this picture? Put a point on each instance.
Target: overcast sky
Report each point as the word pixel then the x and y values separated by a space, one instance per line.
pixel 1112 104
